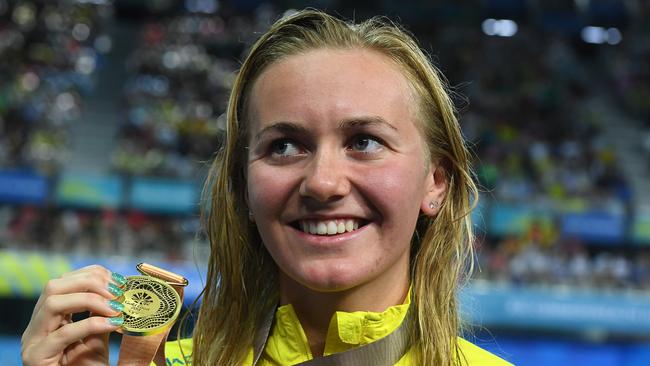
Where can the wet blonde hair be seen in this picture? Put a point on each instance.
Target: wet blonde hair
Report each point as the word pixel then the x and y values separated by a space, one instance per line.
pixel 242 279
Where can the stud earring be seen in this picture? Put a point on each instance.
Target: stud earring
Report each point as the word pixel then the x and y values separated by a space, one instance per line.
pixel 251 218
pixel 433 205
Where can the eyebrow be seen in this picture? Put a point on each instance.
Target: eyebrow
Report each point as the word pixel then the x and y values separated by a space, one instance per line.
pixel 347 124
pixel 283 127
pixel 365 121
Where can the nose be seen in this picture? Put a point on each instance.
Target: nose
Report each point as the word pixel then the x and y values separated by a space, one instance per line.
pixel 325 178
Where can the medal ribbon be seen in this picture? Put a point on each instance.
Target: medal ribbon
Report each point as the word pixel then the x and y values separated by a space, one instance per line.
pixel 383 352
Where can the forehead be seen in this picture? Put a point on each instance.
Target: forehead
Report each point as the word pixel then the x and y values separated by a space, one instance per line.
pixel 331 84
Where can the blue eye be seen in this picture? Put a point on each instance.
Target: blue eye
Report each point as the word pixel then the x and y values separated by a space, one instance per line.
pixel 285 147
pixel 366 144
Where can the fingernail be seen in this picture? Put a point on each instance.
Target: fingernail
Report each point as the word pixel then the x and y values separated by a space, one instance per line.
pixel 116 305
pixel 116 320
pixel 116 291
pixel 118 278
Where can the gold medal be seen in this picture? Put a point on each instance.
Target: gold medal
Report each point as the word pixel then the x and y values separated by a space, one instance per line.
pixel 150 306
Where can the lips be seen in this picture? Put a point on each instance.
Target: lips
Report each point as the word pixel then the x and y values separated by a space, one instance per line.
pixel 329 227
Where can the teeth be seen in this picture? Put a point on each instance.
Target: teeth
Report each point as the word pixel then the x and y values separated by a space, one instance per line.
pixel 322 228
pixel 349 225
pixel 329 227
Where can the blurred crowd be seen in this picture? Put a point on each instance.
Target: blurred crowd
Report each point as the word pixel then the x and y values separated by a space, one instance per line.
pixel 49 52
pixel 531 122
pixel 539 257
pixel 100 233
pixel 631 80
pixel 177 94
pixel 525 102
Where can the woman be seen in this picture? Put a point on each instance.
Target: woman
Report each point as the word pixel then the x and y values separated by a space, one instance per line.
pixel 339 211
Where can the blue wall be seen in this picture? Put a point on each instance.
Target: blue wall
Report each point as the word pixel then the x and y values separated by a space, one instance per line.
pixel 545 352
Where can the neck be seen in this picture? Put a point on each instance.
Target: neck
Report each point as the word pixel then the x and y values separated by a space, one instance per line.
pixel 315 308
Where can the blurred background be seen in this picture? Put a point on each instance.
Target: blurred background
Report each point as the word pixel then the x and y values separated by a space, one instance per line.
pixel 110 112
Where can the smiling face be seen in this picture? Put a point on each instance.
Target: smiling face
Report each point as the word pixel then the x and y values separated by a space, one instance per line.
pixel 336 169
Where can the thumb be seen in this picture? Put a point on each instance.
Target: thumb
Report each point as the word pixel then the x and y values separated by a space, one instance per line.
pixel 98 344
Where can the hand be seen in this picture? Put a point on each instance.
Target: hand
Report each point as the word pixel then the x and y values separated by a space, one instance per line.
pixel 51 338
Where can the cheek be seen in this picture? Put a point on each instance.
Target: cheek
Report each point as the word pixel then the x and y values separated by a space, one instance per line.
pixel 267 191
pixel 397 189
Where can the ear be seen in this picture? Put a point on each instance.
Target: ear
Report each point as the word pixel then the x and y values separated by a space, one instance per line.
pixel 436 189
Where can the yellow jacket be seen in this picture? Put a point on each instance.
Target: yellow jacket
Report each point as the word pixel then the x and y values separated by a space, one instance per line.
pixel 287 343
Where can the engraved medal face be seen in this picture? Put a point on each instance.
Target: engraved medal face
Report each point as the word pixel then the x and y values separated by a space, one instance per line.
pixel 150 305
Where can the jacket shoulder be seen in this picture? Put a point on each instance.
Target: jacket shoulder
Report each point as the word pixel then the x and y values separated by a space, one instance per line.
pixel 474 355
pixel 471 354
pixel 179 353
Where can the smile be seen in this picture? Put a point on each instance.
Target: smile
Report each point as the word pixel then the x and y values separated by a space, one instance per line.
pixel 329 227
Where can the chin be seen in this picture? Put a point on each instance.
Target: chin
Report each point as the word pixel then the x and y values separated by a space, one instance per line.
pixel 333 278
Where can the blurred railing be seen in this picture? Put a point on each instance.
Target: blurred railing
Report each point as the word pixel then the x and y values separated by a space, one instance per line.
pixel 483 303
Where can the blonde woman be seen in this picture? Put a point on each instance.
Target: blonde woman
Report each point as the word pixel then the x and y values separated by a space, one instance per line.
pixel 339 218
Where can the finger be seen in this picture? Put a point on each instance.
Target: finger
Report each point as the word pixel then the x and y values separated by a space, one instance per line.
pixel 82 282
pixel 56 311
pixel 57 341
pixel 97 343
pixel 93 268
pixel 57 307
pixel 95 279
